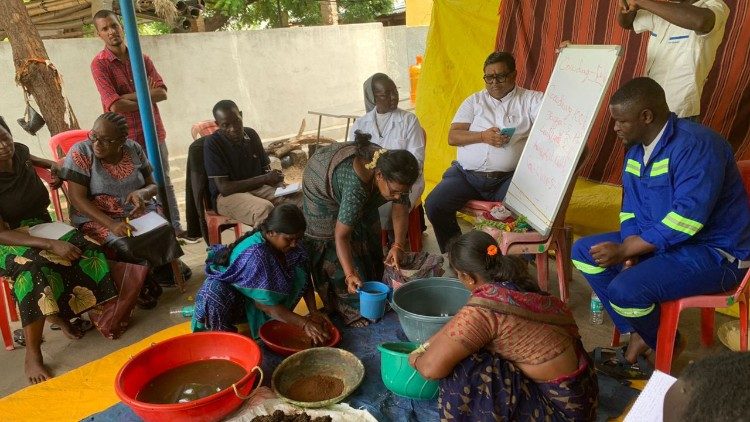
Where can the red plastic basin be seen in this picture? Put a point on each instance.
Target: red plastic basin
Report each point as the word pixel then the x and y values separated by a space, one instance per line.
pixel 178 351
pixel 283 338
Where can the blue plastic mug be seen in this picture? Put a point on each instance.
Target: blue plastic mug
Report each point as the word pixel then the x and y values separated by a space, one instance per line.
pixel 373 296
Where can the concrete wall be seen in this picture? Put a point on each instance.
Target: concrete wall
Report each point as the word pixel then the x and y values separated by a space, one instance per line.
pixel 275 76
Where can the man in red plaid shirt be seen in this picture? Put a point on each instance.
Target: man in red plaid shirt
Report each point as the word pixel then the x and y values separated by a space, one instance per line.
pixel 113 77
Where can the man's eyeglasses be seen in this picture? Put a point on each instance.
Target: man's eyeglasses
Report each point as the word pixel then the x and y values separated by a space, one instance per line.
pixel 497 77
pixel 97 139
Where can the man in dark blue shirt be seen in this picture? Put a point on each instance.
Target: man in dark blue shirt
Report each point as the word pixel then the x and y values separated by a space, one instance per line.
pixel 240 180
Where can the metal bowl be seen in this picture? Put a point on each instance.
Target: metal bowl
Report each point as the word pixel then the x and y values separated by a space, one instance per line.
pixel 327 361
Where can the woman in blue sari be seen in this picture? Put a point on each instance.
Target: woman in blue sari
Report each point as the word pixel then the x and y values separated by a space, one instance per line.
pixel 260 277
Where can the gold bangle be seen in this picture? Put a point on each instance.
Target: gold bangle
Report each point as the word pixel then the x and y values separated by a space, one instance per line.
pixel 397 246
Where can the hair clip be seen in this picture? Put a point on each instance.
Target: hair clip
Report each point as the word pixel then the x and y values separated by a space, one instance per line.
pixel 492 250
pixel 375 157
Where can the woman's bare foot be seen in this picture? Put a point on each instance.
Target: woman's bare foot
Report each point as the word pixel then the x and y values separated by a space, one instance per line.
pixel 34 366
pixel 636 347
pixel 359 323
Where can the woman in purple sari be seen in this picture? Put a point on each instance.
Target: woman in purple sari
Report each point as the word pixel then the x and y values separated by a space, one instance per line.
pixel 512 352
pixel 259 277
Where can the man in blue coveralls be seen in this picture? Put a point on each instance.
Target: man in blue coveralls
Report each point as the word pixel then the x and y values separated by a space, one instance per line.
pixel 684 223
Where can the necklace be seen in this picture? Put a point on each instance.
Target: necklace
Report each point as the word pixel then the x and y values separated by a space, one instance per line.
pixel 386 117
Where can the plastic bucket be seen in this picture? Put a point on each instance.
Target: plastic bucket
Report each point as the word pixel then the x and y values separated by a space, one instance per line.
pixel 178 351
pixel 373 295
pixel 399 377
pixel 424 306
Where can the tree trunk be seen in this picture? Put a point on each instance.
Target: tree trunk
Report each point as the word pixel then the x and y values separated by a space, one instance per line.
pixel 29 56
pixel 329 11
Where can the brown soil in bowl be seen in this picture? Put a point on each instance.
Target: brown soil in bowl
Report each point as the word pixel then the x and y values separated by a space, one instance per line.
pixel 280 416
pixel 297 343
pixel 315 388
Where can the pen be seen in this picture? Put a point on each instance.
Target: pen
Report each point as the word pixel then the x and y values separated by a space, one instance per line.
pixel 127 221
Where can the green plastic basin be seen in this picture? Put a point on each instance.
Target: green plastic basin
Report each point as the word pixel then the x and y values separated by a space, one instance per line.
pixel 399 377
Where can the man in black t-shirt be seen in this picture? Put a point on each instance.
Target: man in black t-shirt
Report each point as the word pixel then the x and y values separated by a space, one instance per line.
pixel 240 180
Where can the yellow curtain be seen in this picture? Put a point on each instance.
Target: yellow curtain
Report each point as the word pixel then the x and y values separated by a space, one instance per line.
pixel 462 34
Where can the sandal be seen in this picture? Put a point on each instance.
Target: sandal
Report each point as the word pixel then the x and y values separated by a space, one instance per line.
pixel 82 325
pixel 19 338
pixel 611 361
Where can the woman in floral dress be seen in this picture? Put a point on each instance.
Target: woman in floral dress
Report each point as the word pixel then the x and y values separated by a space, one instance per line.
pixel 51 280
pixel 110 181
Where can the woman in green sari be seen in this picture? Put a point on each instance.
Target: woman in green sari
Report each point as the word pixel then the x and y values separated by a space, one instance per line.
pixel 260 277
pixel 344 184
pixel 51 279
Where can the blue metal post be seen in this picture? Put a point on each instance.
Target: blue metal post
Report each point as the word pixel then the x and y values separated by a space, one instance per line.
pixel 127 9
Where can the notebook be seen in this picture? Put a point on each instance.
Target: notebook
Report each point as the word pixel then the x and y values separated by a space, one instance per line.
pixel 649 405
pixel 288 189
pixel 147 222
pixel 53 231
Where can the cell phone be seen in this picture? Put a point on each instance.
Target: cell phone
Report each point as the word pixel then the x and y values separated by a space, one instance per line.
pixel 508 131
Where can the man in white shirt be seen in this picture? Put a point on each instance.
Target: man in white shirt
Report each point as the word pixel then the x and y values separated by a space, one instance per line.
pixel 490 130
pixel 391 128
pixel 684 38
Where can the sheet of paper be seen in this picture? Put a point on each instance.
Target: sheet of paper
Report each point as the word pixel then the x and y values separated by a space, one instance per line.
pixel 288 190
pixel 147 223
pixel 649 405
pixel 52 231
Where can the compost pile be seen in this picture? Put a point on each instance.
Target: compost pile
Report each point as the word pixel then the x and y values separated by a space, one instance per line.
pixel 280 416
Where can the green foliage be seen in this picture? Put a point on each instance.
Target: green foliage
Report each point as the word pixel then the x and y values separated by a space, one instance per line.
pixel 265 13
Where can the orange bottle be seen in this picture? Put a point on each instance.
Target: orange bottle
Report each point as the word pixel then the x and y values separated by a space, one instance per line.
pixel 414 71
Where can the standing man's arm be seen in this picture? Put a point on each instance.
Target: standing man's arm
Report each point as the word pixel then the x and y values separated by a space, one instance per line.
pixel 155 82
pixel 694 18
pixel 626 14
pixel 111 100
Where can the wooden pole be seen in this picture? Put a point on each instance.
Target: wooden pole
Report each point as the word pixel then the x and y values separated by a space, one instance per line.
pixel 29 57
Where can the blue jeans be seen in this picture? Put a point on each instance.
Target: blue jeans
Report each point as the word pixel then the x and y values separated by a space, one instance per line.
pixel 458 187
pixel 632 297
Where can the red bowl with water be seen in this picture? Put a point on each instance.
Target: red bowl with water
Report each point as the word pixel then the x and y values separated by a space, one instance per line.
pixel 286 339
pixel 182 350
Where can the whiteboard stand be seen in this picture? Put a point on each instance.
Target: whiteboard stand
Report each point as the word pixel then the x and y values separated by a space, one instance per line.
pixel 574 94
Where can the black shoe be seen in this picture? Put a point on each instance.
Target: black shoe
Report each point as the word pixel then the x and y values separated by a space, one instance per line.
pixel 146 302
pixel 184 239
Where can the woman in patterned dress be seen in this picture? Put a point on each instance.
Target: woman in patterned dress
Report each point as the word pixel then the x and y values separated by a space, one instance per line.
pixel 343 186
pixel 51 280
pixel 513 352
pixel 110 181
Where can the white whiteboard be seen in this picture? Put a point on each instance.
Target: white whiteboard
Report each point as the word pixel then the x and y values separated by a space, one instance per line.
pixel 574 94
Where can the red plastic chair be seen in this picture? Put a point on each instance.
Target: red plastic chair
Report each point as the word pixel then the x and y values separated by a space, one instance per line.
pixel 203 128
pixel 670 311
pixel 215 222
pixel 8 313
pixel 61 143
pixel 46 176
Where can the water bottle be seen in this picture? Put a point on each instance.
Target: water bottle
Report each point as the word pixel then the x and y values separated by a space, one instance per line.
pixel 597 310
pixel 182 311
